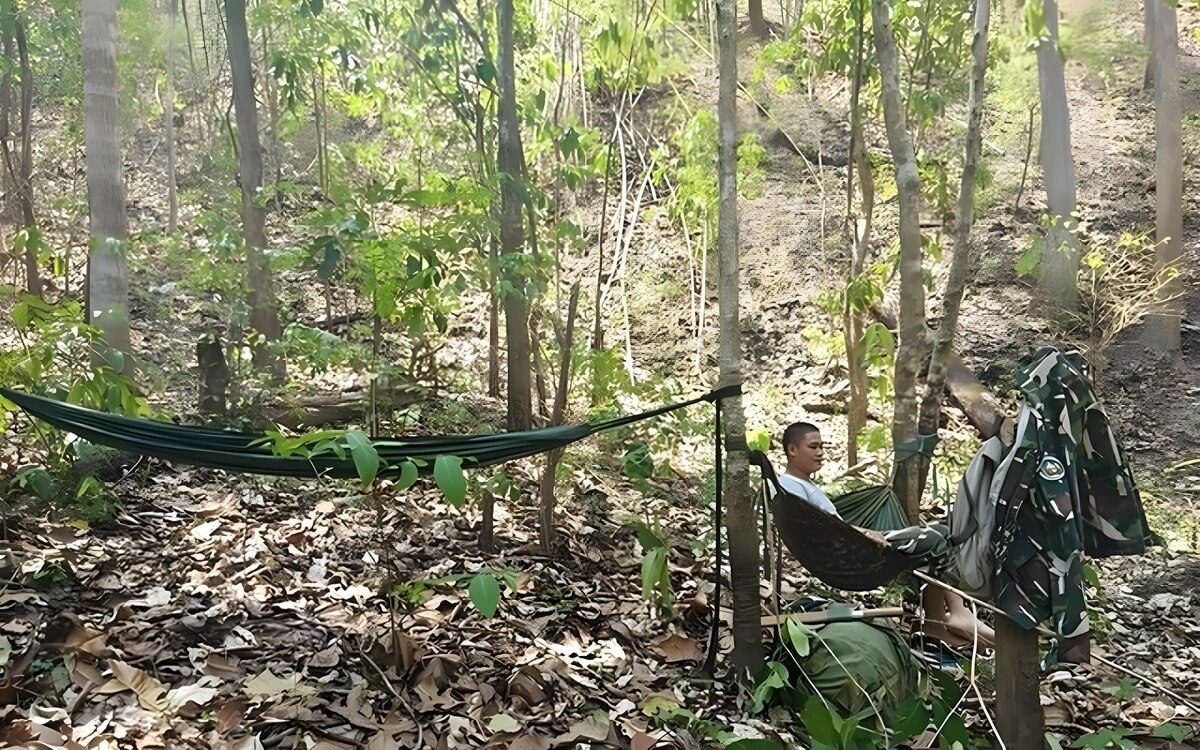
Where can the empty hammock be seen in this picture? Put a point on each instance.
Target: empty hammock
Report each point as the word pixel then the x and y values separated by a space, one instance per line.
pixel 831 548
pixel 245 452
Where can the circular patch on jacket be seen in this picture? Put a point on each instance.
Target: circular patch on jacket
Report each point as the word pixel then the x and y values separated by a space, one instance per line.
pixel 1051 469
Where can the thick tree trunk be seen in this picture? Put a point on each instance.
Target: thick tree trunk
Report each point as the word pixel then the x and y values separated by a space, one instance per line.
pixel 1161 332
pixel 1060 256
pixel 516 323
pixel 169 120
pixel 960 264
pixel 741 514
pixel 912 283
pixel 264 317
pixel 107 278
pixel 758 24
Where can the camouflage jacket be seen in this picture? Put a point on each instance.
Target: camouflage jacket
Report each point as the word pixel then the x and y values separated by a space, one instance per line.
pixel 1069 492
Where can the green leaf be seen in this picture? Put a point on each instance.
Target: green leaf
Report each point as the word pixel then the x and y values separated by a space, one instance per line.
pixel 819 722
pixel 408 475
pixel 485 593
pixel 1124 690
pixel 758 439
pixel 797 634
pixel 20 314
pixel 1091 575
pixel 1031 260
pixel 654 566
pixel 911 719
pixel 366 458
pixel 486 70
pixel 448 474
pixel 1173 732
pixel 331 256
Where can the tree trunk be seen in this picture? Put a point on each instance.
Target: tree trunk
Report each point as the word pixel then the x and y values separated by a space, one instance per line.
pixel 1161 332
pixel 741 514
pixel 107 278
pixel 264 317
pixel 516 323
pixel 1060 254
pixel 1148 36
pixel 169 120
pixel 33 277
pixel 758 24
pixel 960 264
pixel 546 502
pixel 856 417
pixel 912 283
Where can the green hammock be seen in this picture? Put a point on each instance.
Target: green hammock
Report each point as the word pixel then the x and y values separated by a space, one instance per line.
pixel 831 548
pixel 238 451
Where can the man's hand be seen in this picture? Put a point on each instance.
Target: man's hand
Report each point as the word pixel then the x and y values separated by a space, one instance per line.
pixel 872 533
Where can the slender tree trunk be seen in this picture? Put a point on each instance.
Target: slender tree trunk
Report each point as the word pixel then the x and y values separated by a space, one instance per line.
pixel 516 323
pixel 960 264
pixel 911 348
pixel 546 503
pixel 169 120
pixel 1148 36
pixel 264 317
pixel 107 277
pixel 1060 256
pixel 1162 330
pixel 33 276
pixel 741 514
pixel 853 318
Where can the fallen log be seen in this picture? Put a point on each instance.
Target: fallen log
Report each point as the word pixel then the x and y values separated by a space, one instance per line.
pixel 321 410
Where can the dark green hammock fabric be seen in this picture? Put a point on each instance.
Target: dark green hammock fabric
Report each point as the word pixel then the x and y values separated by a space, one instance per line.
pixel 236 451
pixel 875 507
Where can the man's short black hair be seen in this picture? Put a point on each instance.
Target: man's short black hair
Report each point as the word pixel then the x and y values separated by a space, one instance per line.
pixel 796 432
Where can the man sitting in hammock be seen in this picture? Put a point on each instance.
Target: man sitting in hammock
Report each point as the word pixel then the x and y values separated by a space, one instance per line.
pixel 947 618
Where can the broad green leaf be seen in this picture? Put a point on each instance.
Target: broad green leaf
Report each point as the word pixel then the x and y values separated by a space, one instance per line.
pixel 20 314
pixel 819 722
pixel 331 257
pixel 797 634
pixel 408 475
pixel 486 70
pixel 1031 260
pixel 758 439
pixel 1174 732
pixel 366 458
pixel 485 593
pixel 448 474
pixel 911 719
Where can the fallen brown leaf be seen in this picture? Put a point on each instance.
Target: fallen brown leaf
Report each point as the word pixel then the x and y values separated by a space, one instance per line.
pixel 229 715
pixel 678 648
pixel 149 690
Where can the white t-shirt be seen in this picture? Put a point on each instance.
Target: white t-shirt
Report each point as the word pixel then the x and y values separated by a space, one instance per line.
pixel 809 492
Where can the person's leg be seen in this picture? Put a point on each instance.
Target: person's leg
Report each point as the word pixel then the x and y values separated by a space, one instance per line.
pixel 963 621
pixel 948 620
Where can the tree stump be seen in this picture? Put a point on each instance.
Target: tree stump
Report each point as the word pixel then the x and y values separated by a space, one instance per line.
pixel 214 372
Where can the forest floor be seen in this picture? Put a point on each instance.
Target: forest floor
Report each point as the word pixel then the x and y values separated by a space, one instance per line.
pixel 223 611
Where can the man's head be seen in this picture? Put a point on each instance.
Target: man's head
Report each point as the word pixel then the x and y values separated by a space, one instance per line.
pixel 804 448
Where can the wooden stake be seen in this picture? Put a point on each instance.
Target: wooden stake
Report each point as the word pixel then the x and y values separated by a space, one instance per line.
pixel 1018 706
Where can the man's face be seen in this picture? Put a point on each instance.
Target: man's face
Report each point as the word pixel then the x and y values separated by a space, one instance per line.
pixel 807 455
